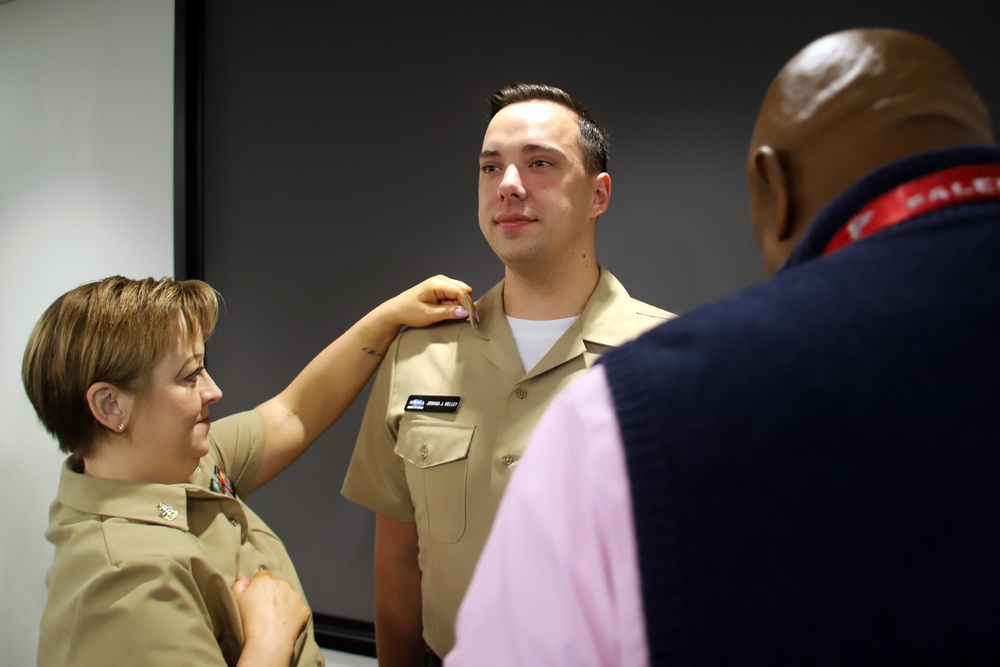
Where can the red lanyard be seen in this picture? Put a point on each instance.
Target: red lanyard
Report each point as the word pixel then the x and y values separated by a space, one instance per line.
pixel 929 193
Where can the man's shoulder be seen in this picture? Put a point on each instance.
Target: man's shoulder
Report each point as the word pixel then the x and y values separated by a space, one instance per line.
pixel 490 305
pixel 446 331
pixel 415 343
pixel 648 317
pixel 645 310
pixel 610 290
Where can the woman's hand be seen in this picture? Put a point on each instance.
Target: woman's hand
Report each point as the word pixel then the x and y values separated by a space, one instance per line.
pixel 435 299
pixel 328 385
pixel 273 614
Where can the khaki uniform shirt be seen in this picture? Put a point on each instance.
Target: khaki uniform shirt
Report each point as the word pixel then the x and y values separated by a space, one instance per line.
pixel 142 571
pixel 448 469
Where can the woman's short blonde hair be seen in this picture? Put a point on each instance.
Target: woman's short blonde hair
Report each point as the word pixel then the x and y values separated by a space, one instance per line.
pixel 112 330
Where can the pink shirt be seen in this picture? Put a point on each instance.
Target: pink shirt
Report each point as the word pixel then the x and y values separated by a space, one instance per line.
pixel 558 581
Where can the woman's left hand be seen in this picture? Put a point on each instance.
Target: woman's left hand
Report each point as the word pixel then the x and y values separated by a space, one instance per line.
pixel 435 299
pixel 328 385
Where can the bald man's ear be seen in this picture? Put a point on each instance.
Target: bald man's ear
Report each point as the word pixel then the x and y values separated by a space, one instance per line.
pixel 769 195
pixel 770 207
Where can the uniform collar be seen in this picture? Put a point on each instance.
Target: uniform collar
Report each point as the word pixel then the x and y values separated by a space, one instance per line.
pixel 608 319
pixel 148 502
pixel 887 177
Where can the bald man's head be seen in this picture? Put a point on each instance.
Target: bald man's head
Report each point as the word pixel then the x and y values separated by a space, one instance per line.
pixel 845 104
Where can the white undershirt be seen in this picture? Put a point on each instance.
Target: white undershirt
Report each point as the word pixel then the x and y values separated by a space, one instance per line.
pixel 536 337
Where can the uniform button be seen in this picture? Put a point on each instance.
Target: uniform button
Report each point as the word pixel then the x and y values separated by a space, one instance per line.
pixel 507 460
pixel 423 452
pixel 521 393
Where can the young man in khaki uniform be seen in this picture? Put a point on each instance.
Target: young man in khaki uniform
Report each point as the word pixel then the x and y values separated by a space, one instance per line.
pixel 452 406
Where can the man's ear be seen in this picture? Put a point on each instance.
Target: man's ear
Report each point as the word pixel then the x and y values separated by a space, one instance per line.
pixel 109 405
pixel 771 207
pixel 602 194
pixel 770 197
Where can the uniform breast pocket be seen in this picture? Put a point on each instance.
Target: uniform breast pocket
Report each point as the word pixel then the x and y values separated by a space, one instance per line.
pixel 437 457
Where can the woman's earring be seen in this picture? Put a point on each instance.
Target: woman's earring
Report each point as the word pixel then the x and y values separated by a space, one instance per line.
pixel 121 427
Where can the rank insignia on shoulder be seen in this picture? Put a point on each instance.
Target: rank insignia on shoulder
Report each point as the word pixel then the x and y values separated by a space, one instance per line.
pixel 470 306
pixel 432 403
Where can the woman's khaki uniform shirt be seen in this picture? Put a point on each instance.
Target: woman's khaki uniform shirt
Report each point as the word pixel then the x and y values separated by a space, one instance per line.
pixel 142 571
pixel 448 469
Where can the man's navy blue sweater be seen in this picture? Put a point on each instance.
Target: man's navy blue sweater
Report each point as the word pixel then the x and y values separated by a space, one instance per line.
pixel 815 460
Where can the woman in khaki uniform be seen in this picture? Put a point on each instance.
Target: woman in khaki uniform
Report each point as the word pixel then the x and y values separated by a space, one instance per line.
pixel 158 561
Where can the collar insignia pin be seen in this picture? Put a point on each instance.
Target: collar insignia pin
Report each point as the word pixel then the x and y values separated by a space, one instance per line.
pixel 167 512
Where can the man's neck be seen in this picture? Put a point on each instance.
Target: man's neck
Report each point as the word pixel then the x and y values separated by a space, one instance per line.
pixel 549 295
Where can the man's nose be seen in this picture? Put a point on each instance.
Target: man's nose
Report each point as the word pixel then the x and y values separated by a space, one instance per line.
pixel 511 185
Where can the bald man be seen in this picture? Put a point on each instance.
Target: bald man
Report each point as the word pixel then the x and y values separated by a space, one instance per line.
pixel 805 472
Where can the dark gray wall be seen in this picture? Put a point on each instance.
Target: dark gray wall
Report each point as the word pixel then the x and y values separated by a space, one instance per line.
pixel 341 146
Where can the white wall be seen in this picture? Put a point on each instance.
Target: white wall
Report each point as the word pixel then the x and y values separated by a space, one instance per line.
pixel 86 190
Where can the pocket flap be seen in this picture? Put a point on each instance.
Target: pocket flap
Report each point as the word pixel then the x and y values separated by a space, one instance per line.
pixel 430 443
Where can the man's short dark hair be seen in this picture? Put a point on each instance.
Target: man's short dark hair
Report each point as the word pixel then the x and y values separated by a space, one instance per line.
pixel 593 138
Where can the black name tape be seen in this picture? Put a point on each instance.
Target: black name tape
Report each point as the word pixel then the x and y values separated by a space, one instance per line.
pixel 432 403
